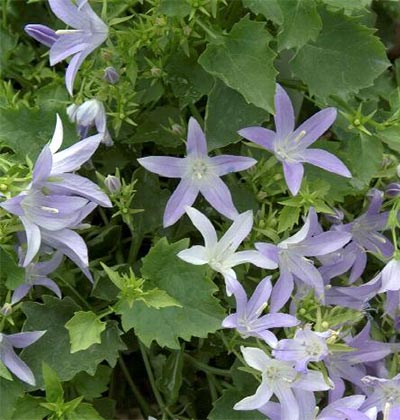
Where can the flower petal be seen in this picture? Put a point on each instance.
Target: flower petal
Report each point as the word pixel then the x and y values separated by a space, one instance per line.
pixel 289 406
pixel 262 396
pixel 24 339
pixel 260 297
pixel 184 195
pixel 19 368
pixel 20 292
pixel 66 11
pixel 225 164
pixel 312 381
pixel 65 46
pixel 169 167
pixel 43 166
pixel 49 284
pixel 196 140
pixel 323 243
pixel 270 251
pixel 195 255
pixel 236 288
pixel 259 135
pixel 72 70
pixel 42 33
pixel 256 358
pixel 284 113
pixel 57 139
pixel 282 290
pixel 33 239
pixel 203 225
pixel 391 276
pixel 231 321
pixel 325 160
pixel 251 256
pixel 219 196
pixel 315 126
pixel 293 176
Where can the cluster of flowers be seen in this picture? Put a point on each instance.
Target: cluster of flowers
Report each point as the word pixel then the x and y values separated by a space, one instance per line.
pixel 57 200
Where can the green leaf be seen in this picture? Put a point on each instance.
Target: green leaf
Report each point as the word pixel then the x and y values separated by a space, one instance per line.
pixel 301 23
pixel 391 137
pixel 92 386
pixel 288 217
pixel 223 408
pixel 201 313
pixel 9 393
pixel 85 329
pixel 13 274
pixel 84 412
pixel 348 6
pixel 270 9
pixel 54 389
pixel 174 8
pixel 113 276
pixel 29 407
pixel 171 380
pixel 54 346
pixel 243 61
pixel 226 113
pixel 157 298
pixel 5 373
pixel 345 57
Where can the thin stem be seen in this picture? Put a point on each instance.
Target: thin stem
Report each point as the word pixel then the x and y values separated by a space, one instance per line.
pixel 207 368
pixel 145 408
pixel 211 386
pixel 76 294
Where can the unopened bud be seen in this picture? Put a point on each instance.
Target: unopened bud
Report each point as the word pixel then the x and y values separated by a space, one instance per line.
pixel 111 75
pixel 6 309
pixel 393 189
pixel 42 33
pixel 112 183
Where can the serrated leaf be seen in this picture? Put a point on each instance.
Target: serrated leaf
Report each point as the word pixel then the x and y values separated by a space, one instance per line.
pixel 92 386
pixel 157 298
pixel 226 113
pixel 288 217
pixel 348 6
pixel 54 346
pixel 243 61
pixel 345 57
pixel 269 9
pixel 84 329
pixel 301 23
pixel 200 313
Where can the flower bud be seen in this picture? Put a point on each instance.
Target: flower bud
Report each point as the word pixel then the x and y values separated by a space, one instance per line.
pixel 6 309
pixel 111 75
pixel 42 33
pixel 112 183
pixel 393 189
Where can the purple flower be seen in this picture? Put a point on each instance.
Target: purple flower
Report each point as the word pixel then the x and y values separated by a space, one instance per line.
pixel 291 254
pixel 393 189
pixel 89 33
pixel 290 146
pixel 11 360
pixel 390 276
pixel 279 378
pixel 90 113
pixel 365 236
pixel 306 346
pixel 248 320
pixel 36 274
pixel 221 255
pixel 198 173
pixel 57 201
pixel 113 184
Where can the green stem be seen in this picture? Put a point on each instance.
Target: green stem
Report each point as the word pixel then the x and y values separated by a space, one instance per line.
pixel 76 294
pixel 134 249
pixel 207 368
pixel 211 386
pixel 103 216
pixel 145 408
pixel 207 30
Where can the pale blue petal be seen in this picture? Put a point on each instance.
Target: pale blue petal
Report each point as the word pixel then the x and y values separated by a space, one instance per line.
pixel 17 366
pixel 237 232
pixel 33 238
pixel 195 255
pixel 282 290
pixel 251 256
pixel 284 113
pixel 24 339
pixel 259 135
pixel 293 176
pixel 196 140
pixel 262 396
pixel 325 160
pixel 259 299
pixel 169 167
pixel 42 33
pixel 225 164
pixel 204 226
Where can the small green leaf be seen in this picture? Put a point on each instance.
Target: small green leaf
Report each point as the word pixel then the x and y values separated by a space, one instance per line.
pixel 54 389
pixel 243 61
pixel 85 329
pixel 288 217
pixel 113 276
pixel 157 298
pixel 29 407
pixel 84 412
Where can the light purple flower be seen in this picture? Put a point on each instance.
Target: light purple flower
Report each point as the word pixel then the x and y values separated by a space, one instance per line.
pixel 291 254
pixel 36 274
pixel 365 236
pixel 390 276
pixel 57 201
pixel 198 173
pixel 11 360
pixel 248 320
pixel 221 255
pixel 90 113
pixel 306 346
pixel 290 146
pixel 279 378
pixel 89 33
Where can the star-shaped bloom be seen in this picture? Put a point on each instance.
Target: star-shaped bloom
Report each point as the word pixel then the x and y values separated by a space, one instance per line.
pixel 57 201
pixel 306 346
pixel 248 320
pixel 291 254
pixel 221 255
pixel 279 378
pixel 198 173
pixel 36 274
pixel 11 360
pixel 89 33
pixel 290 146
pixel 366 236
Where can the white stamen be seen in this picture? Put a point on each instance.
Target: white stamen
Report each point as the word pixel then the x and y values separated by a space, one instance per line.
pixel 300 136
pixel 68 31
pixel 51 210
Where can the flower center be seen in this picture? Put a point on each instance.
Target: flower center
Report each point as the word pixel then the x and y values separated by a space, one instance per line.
pixel 313 349
pixel 392 394
pixel 199 169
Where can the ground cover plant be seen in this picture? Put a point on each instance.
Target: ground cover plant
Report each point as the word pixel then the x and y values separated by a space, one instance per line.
pixel 200 209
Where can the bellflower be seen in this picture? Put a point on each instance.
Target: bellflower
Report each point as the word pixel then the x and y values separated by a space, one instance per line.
pixel 198 173
pixel 57 201
pixel 290 146
pixel 385 397
pixel 248 320
pixel 221 255
pixel 36 274
pixel 306 346
pixel 89 33
pixel 365 236
pixel 279 378
pixel 11 360
pixel 90 113
pixel 291 254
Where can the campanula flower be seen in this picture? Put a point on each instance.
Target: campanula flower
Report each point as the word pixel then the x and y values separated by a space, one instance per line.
pixel 290 146
pixel 290 254
pixel 279 378
pixel 248 320
pixel 221 255
pixel 111 75
pixel 88 33
pixel 11 360
pixel 198 173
